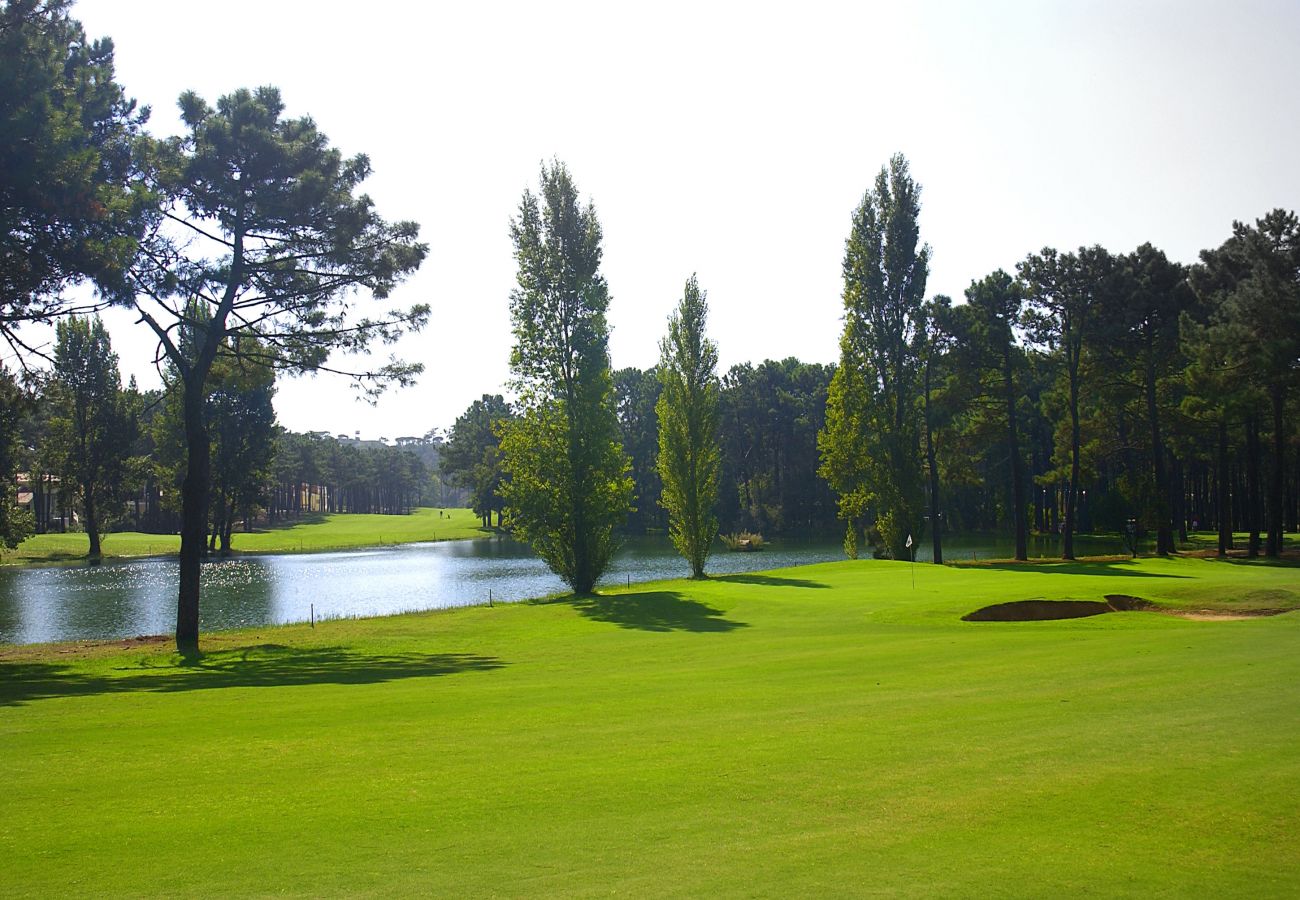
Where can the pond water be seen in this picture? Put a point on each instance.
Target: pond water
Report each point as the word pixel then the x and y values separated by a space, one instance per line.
pixel 125 599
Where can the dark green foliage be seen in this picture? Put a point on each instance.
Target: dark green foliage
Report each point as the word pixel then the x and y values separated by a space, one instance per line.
pixel 1251 345
pixel 1138 348
pixel 770 416
pixel 687 410
pixel 870 447
pixel 280 245
pixel 473 454
pixel 71 204
pixel 240 421
pixel 636 391
pixel 1065 294
pixel 15 523
pixel 91 430
pixel 315 473
pixel 568 487
pixel 993 361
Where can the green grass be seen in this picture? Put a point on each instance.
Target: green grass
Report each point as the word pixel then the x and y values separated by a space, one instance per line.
pixel 827 730
pixel 319 532
pixel 1209 540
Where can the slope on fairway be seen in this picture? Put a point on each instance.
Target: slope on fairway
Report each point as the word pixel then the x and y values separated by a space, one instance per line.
pixel 827 729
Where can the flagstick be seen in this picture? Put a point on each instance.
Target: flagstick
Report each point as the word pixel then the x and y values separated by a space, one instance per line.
pixel 912 546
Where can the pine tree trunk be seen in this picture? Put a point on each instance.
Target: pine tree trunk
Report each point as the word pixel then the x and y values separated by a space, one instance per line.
pixel 936 538
pixel 194 518
pixel 1072 493
pixel 1252 486
pixel 1017 469
pixel 1164 531
pixel 1275 492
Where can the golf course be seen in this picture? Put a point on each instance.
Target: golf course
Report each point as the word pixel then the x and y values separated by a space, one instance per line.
pixel 835 729
pixel 320 532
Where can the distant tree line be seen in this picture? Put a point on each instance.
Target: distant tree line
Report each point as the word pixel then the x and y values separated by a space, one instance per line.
pixel 96 456
pixel 1088 391
pixel 1092 390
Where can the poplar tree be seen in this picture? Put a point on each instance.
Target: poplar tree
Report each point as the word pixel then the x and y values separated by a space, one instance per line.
pixel 690 458
pixel 870 447
pixel 568 485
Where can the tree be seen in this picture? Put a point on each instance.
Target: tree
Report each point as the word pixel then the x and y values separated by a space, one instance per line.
pixel 769 417
pixel 870 447
pixel 993 308
pixel 1064 293
pixel 91 426
pixel 568 487
pixel 268 238
pixel 689 456
pixel 935 335
pixel 15 523
pixel 636 391
pixel 1139 330
pixel 70 206
pixel 1252 283
pixel 473 454
pixel 241 421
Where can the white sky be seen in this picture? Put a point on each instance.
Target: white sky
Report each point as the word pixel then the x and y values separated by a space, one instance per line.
pixel 734 140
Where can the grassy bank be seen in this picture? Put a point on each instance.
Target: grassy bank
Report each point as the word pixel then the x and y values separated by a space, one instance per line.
pixel 337 531
pixel 822 730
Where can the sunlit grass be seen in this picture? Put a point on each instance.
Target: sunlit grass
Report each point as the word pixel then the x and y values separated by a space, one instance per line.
pixel 823 730
pixel 319 532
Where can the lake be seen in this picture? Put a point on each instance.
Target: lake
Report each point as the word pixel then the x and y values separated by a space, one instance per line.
pixel 137 597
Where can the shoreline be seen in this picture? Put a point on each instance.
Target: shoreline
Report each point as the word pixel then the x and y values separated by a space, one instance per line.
pixel 322 534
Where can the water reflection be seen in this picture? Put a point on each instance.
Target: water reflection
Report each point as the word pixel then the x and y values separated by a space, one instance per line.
pixel 124 599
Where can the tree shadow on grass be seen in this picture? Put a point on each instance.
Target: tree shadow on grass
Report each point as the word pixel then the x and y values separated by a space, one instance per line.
pixel 1094 567
pixel 265 665
pixel 768 580
pixel 654 611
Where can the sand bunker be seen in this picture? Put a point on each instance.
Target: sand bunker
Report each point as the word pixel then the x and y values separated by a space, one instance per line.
pixel 1038 611
pixel 1048 610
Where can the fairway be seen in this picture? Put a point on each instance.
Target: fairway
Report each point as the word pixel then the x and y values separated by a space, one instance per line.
pixel 825 730
pixel 329 531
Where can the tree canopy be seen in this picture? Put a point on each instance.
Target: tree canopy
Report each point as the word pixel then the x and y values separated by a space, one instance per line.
pixel 268 251
pixel 72 204
pixel 690 459
pixel 869 447
pixel 568 488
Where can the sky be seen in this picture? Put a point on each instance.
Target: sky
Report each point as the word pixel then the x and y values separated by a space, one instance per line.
pixel 733 141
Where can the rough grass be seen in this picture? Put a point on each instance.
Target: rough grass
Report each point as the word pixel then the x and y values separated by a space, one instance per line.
pixel 822 730
pixel 337 531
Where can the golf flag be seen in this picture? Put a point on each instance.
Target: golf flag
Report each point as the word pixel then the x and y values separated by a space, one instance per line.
pixel 909 540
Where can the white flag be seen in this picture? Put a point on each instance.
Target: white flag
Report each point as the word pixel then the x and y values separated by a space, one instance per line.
pixel 909 540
